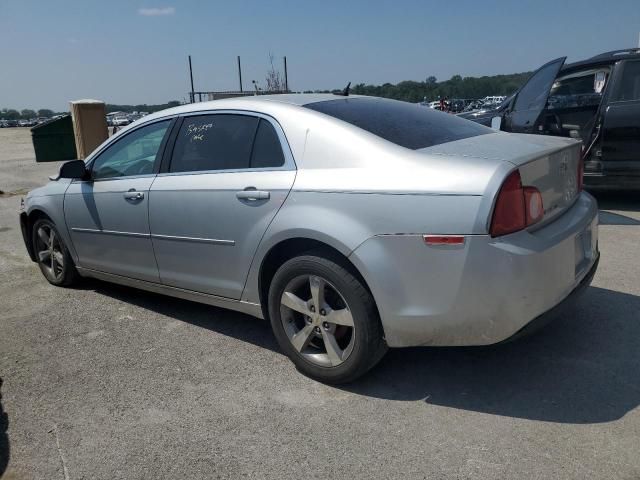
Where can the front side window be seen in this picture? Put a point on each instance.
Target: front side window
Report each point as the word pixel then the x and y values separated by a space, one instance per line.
pixel 628 87
pixel 135 154
pixel 214 142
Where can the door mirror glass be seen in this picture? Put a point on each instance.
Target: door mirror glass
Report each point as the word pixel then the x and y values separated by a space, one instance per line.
pixel 496 122
pixel 73 169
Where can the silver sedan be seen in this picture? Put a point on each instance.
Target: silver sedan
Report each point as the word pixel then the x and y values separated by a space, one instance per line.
pixel 352 224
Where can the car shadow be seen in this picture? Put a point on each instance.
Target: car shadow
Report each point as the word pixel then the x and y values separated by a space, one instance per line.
pixel 4 436
pixel 620 202
pixel 226 322
pixel 610 218
pixel 579 369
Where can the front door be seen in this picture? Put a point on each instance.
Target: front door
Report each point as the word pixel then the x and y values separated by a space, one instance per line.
pixel 531 99
pixel 227 178
pixel 108 215
pixel 621 126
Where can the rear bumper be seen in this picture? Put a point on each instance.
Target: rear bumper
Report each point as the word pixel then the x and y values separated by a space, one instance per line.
pixel 560 310
pixel 484 291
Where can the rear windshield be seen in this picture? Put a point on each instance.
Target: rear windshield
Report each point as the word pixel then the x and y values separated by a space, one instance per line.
pixel 406 124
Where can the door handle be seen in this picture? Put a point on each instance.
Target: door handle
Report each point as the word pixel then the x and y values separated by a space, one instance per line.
pixel 252 195
pixel 133 195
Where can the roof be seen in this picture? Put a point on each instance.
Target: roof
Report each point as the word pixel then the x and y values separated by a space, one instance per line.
pixel 259 102
pixel 605 58
pixel 86 100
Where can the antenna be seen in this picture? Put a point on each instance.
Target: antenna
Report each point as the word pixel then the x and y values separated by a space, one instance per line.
pixel 345 92
pixel 192 93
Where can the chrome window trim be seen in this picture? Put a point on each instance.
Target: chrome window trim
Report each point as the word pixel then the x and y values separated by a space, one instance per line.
pixel 128 177
pixel 289 160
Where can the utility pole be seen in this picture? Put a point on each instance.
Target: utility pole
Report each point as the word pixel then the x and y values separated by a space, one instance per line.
pixel 239 73
pixel 286 78
pixel 191 76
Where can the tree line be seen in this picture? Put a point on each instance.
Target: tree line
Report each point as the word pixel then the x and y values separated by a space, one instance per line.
pixel 456 87
pixel 409 91
pixel 26 114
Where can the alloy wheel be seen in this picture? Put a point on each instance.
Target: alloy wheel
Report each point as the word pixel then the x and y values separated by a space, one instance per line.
pixel 317 320
pixel 49 251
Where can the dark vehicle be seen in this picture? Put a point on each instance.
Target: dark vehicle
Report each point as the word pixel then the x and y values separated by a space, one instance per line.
pixel 484 113
pixel 457 105
pixel 596 101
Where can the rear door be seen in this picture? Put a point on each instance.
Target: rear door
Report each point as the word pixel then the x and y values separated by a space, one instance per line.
pixel 621 132
pixel 526 109
pixel 228 175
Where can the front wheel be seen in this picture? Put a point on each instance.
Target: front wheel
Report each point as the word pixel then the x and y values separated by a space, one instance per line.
pixel 52 255
pixel 324 319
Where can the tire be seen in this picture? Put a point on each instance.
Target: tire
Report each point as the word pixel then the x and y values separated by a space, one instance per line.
pixel 54 259
pixel 356 341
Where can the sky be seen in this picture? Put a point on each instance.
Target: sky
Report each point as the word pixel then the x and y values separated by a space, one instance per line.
pixel 133 52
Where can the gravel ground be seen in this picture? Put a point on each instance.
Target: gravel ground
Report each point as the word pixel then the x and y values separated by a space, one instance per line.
pixel 108 382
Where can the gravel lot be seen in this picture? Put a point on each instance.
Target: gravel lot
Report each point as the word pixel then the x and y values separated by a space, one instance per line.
pixel 109 382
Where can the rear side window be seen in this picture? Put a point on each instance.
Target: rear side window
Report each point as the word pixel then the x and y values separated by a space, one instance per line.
pixel 629 87
pixel 406 124
pixel 267 151
pixel 214 142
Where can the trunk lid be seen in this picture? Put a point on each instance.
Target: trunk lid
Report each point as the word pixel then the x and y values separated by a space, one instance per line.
pixel 548 163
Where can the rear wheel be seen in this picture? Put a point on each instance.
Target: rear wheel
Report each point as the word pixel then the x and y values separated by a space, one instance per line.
pixel 52 255
pixel 324 319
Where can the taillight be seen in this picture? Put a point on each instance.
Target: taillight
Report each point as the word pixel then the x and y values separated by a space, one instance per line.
pixel 534 210
pixel 516 207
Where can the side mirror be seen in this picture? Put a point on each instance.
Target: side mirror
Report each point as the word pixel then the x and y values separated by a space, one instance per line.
pixel 496 122
pixel 73 169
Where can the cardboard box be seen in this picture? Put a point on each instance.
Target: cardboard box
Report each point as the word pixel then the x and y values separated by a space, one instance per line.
pixel 89 125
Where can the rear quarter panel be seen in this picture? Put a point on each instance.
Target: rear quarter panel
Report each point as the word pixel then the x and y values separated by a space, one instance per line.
pixel 346 220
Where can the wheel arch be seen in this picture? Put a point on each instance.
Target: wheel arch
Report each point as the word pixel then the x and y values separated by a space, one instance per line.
pixel 27 220
pixel 289 248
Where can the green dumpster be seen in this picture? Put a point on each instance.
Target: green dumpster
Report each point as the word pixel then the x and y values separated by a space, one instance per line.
pixel 54 141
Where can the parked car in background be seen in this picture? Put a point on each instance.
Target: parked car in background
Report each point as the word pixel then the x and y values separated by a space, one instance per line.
pixel 352 223
pixel 120 121
pixel 596 101
pixel 457 105
pixel 485 112
pixel 493 99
